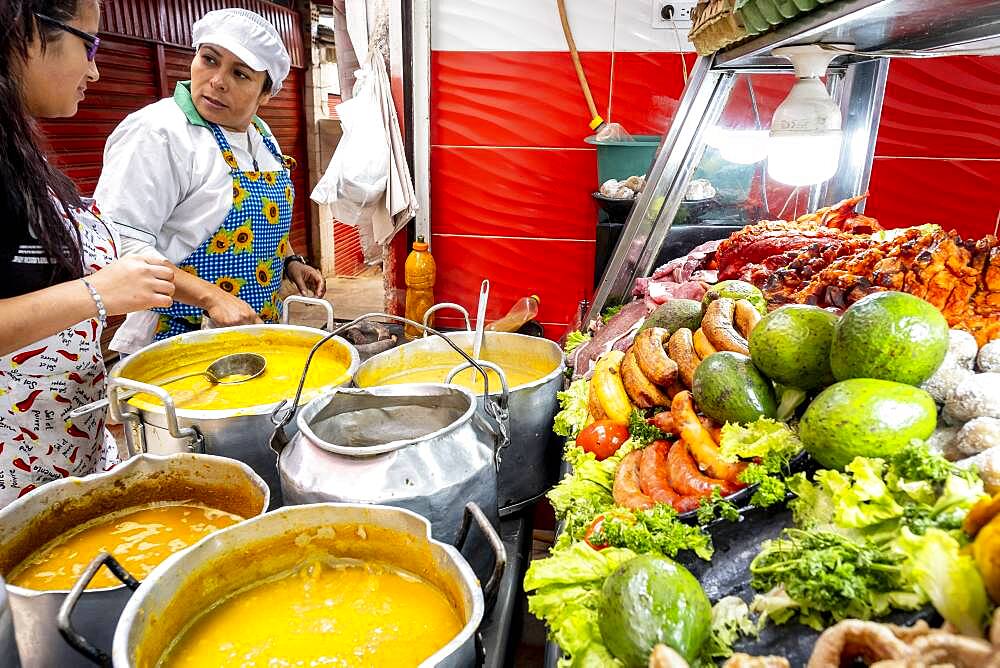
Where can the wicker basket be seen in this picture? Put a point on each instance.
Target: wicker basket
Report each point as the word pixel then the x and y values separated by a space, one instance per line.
pixel 716 26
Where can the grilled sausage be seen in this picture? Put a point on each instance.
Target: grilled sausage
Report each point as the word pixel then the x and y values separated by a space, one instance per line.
pixel 686 479
pixel 654 478
pixel 681 349
pixel 719 327
pixel 651 354
pixel 626 491
pixel 639 388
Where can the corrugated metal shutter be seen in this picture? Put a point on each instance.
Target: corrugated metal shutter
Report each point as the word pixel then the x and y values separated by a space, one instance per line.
pixel 348 258
pixel 170 21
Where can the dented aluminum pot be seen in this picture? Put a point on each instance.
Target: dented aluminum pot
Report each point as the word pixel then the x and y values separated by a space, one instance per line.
pixel 49 511
pixel 528 467
pixel 419 447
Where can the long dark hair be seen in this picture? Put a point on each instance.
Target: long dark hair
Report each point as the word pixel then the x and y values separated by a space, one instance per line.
pixel 27 180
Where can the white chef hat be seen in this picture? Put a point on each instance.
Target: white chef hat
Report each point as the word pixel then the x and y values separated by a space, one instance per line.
pixel 250 37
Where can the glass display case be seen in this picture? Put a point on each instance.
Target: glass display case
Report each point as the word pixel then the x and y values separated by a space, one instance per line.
pixel 711 173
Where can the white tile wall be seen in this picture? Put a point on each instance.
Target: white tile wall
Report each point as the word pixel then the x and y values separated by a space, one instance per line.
pixel 533 25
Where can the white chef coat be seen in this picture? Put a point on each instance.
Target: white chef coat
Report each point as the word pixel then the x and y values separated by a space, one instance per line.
pixel 166 188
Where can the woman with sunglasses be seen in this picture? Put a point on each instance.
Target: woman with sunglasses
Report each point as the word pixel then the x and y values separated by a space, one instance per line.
pixel 59 274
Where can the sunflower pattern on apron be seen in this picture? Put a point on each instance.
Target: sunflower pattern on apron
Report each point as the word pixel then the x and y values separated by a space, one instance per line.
pixel 41 383
pixel 245 255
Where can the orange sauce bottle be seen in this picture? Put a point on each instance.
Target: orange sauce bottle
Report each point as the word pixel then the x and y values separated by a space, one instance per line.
pixel 420 272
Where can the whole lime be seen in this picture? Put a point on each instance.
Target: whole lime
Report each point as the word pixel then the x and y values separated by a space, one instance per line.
pixel 791 345
pixel 889 335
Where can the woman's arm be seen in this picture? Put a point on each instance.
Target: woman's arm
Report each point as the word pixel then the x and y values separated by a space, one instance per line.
pixel 131 284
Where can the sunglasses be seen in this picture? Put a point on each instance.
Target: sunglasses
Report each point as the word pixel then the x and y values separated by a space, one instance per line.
pixel 93 41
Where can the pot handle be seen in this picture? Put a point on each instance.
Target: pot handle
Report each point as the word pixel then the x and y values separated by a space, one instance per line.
pixel 474 512
pixel 441 307
pixel 192 434
pixel 498 408
pixel 284 412
pixel 71 635
pixel 311 301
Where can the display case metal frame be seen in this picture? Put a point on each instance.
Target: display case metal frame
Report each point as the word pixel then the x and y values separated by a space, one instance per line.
pixel 878 30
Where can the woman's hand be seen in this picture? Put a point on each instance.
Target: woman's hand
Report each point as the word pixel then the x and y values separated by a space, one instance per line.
pixel 134 283
pixel 308 280
pixel 225 310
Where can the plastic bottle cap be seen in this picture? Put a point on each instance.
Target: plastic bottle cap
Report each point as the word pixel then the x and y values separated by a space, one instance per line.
pixel 420 244
pixel 537 298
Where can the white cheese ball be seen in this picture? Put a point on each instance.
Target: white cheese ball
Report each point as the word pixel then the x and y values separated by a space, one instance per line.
pixel 978 435
pixel 976 396
pixel 946 379
pixel 988 464
pixel 962 347
pixel 942 442
pixel 989 356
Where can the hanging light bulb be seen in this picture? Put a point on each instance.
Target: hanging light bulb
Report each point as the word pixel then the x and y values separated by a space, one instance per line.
pixel 805 140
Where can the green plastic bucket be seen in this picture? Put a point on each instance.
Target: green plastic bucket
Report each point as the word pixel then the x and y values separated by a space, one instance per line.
pixel 622 159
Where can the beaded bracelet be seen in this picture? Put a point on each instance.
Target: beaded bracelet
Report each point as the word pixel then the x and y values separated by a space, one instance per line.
pixel 102 313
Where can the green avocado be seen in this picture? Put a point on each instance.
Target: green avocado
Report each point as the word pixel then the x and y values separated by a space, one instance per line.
pixel 652 600
pixel 791 345
pixel 736 290
pixel 889 335
pixel 728 388
pixel 865 417
pixel 674 315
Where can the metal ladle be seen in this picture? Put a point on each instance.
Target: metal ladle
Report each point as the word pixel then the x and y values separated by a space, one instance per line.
pixel 240 367
pixel 228 370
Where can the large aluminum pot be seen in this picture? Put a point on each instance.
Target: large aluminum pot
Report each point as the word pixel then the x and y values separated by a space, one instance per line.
pixel 191 582
pixel 527 468
pixel 8 644
pixel 38 517
pixel 240 433
pixel 419 447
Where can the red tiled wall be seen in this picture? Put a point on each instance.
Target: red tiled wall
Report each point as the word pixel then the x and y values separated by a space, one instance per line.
pixel 938 155
pixel 511 176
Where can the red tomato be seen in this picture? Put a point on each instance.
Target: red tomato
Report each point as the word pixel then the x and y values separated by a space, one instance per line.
pixel 603 438
pixel 594 526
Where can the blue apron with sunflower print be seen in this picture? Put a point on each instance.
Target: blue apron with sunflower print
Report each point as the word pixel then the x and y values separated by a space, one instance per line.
pixel 245 256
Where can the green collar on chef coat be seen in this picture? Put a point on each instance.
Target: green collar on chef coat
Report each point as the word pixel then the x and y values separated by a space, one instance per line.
pixel 182 96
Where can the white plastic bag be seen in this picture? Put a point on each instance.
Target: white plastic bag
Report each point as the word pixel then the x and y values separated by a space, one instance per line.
pixel 358 173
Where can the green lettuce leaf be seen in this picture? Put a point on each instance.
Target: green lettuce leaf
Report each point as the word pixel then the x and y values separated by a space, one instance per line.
pixel 949 578
pixel 768 440
pixel 574 340
pixel 564 590
pixel 730 620
pixel 573 402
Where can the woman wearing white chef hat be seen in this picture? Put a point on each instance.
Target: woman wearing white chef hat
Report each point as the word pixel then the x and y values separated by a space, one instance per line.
pixel 199 180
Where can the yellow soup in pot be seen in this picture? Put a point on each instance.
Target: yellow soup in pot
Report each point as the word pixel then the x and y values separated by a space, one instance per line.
pixel 345 613
pixel 138 538
pixel 434 368
pixel 285 356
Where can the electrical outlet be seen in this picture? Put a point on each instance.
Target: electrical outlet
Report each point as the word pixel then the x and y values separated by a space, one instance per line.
pixel 667 14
